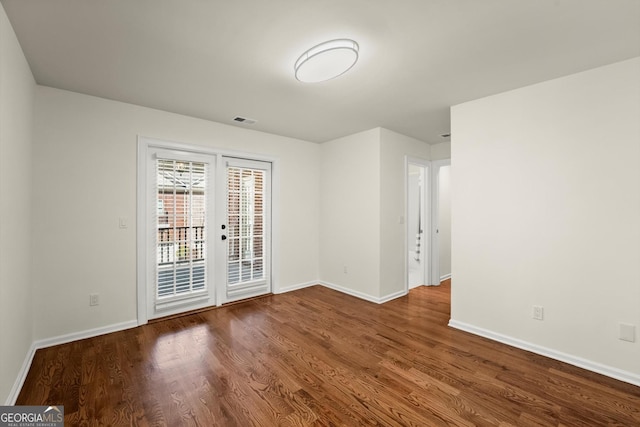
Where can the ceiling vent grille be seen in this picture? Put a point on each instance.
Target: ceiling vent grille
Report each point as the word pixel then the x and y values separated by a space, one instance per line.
pixel 244 120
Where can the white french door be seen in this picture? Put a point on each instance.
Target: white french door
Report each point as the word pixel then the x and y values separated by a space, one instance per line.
pixel 245 231
pixel 204 229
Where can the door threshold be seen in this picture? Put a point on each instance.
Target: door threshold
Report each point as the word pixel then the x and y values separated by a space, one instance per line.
pixel 203 309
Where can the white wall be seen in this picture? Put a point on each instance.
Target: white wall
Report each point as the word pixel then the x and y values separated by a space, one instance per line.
pixel 85 179
pixel 444 221
pixel 350 212
pixel 17 88
pixel 546 211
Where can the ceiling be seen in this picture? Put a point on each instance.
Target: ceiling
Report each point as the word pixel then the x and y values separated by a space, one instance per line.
pixel 217 59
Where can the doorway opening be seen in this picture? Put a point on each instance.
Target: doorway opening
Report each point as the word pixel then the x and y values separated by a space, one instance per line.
pixel 428 222
pixel 418 221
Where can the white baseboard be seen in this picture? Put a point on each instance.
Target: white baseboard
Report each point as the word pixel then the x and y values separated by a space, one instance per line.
pixel 361 295
pixel 392 296
pixel 445 277
pixel 61 339
pixel 89 333
pixel 618 374
pixel 348 291
pixel 22 375
pixel 295 287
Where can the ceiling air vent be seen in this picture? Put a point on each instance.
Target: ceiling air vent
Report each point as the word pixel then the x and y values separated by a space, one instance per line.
pixel 244 120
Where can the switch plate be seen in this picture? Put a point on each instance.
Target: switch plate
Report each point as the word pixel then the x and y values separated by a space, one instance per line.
pixel 94 299
pixel 627 332
pixel 122 222
pixel 538 312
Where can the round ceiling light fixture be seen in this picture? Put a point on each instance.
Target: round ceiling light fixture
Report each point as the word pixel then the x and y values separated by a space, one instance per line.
pixel 327 60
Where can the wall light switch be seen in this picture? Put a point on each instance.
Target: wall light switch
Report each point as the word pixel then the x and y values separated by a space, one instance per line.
pixel 94 299
pixel 627 332
pixel 122 222
pixel 538 312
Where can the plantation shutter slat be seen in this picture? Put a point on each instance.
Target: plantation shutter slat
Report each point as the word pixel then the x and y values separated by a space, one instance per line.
pixel 181 220
pixel 246 221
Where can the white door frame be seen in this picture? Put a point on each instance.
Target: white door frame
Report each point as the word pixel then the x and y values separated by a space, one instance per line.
pixel 144 145
pixel 435 220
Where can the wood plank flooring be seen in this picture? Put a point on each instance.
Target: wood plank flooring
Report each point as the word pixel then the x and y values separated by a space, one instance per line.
pixel 316 357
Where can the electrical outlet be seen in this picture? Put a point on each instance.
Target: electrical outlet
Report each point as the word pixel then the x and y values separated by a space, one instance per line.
pixel 538 312
pixel 94 299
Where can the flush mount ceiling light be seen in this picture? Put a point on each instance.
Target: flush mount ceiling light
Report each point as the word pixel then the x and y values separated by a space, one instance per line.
pixel 327 60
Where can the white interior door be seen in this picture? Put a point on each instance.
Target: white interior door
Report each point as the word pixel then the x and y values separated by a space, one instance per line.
pixel 245 233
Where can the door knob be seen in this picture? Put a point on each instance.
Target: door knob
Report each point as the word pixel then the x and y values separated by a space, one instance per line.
pixel 224 237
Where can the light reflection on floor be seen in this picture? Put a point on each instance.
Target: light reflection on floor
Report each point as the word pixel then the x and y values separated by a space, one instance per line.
pixel 182 348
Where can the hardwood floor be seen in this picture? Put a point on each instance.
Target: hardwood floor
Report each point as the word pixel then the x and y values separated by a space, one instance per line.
pixel 318 357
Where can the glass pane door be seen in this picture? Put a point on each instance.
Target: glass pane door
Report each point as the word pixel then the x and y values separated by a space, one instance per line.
pixel 247 226
pixel 181 243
